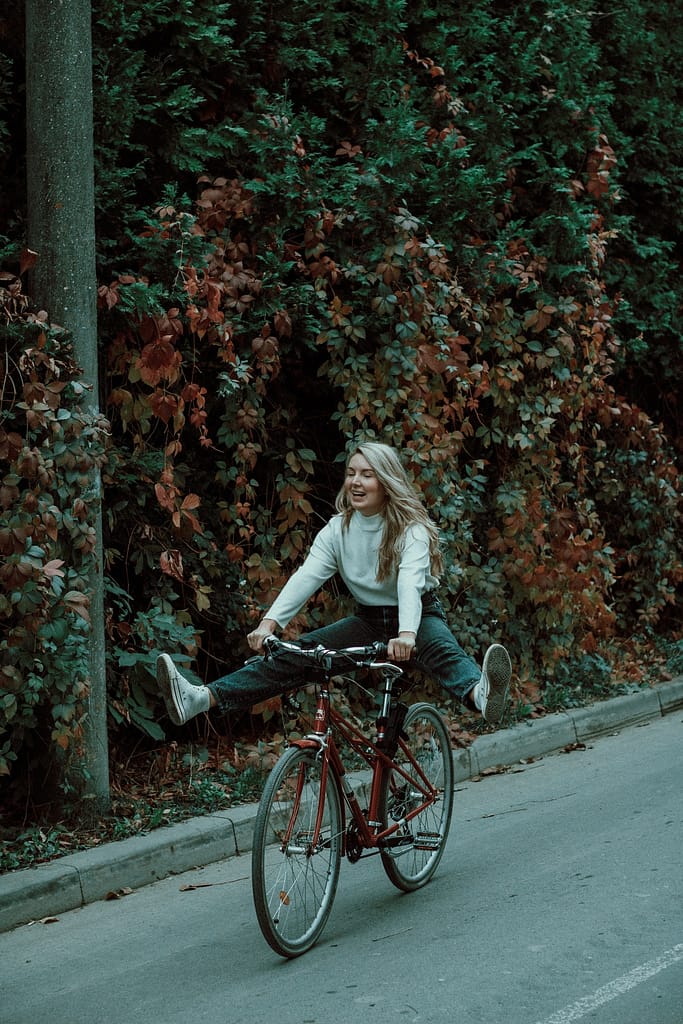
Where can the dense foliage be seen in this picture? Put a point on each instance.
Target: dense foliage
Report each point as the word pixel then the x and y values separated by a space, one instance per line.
pixel 48 448
pixel 453 229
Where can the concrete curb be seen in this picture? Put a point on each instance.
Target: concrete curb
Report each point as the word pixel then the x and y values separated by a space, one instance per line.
pixel 82 878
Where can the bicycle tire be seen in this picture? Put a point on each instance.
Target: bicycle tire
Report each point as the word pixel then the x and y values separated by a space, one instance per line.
pixel 411 865
pixel 294 887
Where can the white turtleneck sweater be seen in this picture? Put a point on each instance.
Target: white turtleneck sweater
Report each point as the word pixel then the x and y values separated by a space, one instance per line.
pixel 353 553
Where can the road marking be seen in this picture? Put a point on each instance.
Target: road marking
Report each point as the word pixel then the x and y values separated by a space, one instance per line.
pixel 616 988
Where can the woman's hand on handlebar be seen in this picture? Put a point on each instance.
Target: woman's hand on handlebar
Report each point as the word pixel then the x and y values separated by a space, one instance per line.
pixel 265 628
pixel 401 648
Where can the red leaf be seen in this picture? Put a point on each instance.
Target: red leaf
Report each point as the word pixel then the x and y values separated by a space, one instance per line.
pixel 158 361
pixel 27 260
pixel 164 405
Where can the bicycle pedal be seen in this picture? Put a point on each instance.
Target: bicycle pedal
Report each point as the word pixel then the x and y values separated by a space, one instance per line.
pixel 427 841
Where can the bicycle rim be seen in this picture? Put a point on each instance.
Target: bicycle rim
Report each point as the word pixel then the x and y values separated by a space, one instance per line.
pixel 294 882
pixel 412 863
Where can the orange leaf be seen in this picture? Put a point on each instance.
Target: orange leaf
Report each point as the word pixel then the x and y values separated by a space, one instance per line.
pixel 27 260
pixel 159 360
pixel 171 563
pixel 164 497
pixel 164 405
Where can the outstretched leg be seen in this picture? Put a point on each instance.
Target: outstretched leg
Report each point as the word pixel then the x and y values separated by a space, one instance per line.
pixel 255 681
pixel 442 658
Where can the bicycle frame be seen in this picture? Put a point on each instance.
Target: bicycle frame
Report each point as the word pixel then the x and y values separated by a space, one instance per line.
pixel 372 833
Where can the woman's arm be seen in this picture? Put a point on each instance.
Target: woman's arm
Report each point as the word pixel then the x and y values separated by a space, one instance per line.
pixel 411 582
pixel 318 567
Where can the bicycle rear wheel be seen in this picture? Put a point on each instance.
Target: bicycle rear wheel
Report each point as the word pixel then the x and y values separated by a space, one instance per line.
pixel 294 881
pixel 420 842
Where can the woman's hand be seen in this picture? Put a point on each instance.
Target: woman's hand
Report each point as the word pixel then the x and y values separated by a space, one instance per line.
pixel 265 628
pixel 401 648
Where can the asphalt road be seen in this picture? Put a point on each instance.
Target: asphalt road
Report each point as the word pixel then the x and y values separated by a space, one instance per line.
pixel 559 899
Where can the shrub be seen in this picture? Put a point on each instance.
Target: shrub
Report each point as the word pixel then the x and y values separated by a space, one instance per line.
pixel 48 447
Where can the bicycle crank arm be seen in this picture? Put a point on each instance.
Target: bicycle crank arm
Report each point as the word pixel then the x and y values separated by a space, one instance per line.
pixel 393 841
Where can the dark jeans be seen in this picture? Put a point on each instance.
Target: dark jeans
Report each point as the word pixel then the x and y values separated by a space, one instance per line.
pixel 439 656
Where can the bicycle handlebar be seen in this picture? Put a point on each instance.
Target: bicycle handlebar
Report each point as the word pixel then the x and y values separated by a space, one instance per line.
pixel 361 657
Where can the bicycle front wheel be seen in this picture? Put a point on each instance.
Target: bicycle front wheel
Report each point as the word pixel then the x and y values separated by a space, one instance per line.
pixel 295 875
pixel 411 857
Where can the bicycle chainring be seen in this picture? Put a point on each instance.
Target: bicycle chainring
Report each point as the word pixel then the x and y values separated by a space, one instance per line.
pixel 354 849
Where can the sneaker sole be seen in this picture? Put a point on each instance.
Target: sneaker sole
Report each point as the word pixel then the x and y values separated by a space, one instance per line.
pixel 167 686
pixel 498 668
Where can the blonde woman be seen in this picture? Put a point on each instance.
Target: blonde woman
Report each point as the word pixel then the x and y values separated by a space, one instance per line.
pixel 385 548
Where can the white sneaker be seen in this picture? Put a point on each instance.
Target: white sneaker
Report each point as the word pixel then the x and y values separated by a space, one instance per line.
pixel 491 692
pixel 183 699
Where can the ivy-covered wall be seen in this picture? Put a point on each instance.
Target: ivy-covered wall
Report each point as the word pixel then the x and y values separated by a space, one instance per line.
pixel 453 229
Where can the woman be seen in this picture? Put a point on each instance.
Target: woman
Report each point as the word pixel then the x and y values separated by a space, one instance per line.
pixel 385 547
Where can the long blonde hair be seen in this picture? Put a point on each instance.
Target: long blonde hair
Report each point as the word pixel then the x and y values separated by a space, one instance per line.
pixel 402 508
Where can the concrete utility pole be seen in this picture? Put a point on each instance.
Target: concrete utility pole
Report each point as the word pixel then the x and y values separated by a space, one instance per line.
pixel 61 229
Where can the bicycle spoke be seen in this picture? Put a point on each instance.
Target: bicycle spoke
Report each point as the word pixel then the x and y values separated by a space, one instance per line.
pixel 295 872
pixel 410 857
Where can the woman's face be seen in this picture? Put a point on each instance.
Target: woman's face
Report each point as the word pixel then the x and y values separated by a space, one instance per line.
pixel 364 490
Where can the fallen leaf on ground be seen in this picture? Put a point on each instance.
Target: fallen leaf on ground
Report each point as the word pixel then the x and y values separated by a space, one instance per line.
pixel 117 894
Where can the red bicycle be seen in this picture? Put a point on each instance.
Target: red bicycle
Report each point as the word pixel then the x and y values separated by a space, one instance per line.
pixel 309 816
